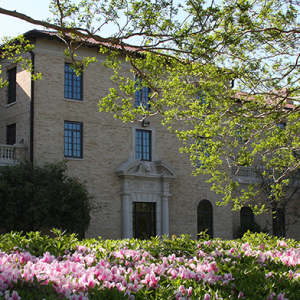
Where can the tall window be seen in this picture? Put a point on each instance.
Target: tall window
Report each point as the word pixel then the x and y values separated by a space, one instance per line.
pixel 142 94
pixel 279 222
pixel 204 149
pixel 143 144
pixel 205 217
pixel 11 134
pixel 12 85
pixel 143 220
pixel 73 139
pixel 247 216
pixel 201 96
pixel 281 125
pixel 73 84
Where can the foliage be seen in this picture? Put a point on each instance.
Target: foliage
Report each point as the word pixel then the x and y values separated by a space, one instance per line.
pixel 12 51
pixel 34 197
pixel 251 227
pixel 278 190
pixel 197 48
pixel 255 267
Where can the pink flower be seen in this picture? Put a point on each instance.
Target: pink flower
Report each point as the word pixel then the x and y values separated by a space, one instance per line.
pixel 15 296
pixel 282 244
pixel 271 296
pixel 206 297
pixel 281 297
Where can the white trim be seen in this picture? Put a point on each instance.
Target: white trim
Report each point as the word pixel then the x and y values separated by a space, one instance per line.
pixel 11 104
pixel 73 100
pixel 144 181
pixel 154 155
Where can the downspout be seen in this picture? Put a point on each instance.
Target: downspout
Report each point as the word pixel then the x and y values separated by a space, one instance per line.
pixel 32 108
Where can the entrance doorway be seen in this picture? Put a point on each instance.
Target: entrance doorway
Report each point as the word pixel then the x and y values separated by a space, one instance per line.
pixel 143 220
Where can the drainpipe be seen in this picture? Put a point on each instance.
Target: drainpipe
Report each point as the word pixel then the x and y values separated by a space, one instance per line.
pixel 32 109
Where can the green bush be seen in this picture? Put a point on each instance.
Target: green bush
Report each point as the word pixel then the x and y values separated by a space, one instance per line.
pixel 34 197
pixel 256 266
pixel 252 227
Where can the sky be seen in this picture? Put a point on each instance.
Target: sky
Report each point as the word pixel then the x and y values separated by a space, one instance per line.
pixel 37 9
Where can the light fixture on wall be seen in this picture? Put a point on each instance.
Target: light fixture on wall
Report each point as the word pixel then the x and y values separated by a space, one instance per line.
pixel 145 123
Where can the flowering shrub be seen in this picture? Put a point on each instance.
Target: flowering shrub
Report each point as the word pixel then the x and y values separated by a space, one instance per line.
pixel 254 267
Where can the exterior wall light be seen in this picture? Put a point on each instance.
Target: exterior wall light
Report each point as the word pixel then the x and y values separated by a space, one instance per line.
pixel 145 123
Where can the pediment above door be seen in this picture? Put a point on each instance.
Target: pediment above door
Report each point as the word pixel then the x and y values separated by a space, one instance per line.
pixel 138 168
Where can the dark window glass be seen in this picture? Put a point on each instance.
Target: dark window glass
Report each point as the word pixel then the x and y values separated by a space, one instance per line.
pixel 203 143
pixel 144 220
pixel 73 139
pixel 281 125
pixel 142 94
pixel 205 217
pixel 11 134
pixel 203 99
pixel 143 144
pixel 240 132
pixel 279 222
pixel 73 84
pixel 12 85
pixel 247 216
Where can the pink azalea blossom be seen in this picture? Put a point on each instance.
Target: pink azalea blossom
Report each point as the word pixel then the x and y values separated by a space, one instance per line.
pixel 281 297
pixel 206 297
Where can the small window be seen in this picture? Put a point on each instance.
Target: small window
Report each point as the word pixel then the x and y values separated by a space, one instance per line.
pixel 142 94
pixel 73 139
pixel 12 85
pixel 73 83
pixel 143 144
pixel 11 134
pixel 205 217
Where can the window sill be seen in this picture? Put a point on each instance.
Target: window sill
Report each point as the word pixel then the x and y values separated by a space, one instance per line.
pixel 73 100
pixel 73 158
pixel 10 104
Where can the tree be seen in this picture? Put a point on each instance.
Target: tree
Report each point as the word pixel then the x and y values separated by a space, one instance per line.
pixel 198 48
pixel 278 192
pixel 34 197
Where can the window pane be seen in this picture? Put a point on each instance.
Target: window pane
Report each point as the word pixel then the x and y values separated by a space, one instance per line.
pixel 246 215
pixel 279 222
pixel 73 139
pixel 144 220
pixel 143 144
pixel 12 85
pixel 204 217
pixel 141 94
pixel 73 84
pixel 11 134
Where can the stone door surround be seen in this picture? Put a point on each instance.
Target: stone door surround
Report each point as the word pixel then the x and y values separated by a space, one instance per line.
pixel 145 181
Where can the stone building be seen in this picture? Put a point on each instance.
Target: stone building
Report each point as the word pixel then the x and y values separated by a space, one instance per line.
pixel 141 184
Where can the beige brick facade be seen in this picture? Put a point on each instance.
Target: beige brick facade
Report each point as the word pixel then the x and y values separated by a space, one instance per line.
pixel 107 145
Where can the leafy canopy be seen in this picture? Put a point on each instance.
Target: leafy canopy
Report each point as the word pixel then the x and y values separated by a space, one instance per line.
pixel 197 48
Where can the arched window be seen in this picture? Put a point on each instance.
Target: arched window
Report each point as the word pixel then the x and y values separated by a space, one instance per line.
pixel 205 217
